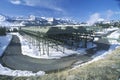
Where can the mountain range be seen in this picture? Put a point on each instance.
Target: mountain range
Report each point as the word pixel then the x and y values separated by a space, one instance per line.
pixel 33 21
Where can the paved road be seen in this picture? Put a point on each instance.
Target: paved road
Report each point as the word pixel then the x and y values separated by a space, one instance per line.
pixel 13 58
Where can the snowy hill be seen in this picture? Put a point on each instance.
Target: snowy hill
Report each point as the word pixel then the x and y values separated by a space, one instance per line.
pixel 2 18
pixel 32 21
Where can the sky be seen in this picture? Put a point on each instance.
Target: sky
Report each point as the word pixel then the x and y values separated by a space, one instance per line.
pixel 79 10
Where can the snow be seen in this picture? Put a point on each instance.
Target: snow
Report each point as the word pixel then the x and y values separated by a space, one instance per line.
pixel 113 41
pixel 4 41
pixel 99 55
pixel 115 35
pixel 105 31
pixel 5 23
pixel 96 39
pixel 114 44
pixel 33 51
pixel 7 71
pixel 2 18
pixel 30 50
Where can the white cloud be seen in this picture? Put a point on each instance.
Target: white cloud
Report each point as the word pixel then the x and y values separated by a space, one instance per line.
pixel 17 2
pixel 57 9
pixel 101 19
pixel 94 18
pixel 109 14
pixel 117 12
pixel 50 4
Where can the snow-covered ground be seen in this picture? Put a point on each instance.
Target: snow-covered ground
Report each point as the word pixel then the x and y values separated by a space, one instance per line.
pixel 10 72
pixel 114 44
pixel 4 41
pixel 112 38
pixel 105 31
pixel 33 51
pixel 7 71
pixel 99 55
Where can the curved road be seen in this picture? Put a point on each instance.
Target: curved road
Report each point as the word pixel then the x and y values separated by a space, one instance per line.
pixel 13 59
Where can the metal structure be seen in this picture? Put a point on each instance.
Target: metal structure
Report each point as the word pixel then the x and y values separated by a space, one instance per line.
pixel 59 36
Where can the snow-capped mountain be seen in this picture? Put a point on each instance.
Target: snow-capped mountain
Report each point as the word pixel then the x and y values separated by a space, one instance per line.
pixel 32 21
pixel 2 18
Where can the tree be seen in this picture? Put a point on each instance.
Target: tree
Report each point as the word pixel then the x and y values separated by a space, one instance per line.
pixel 2 31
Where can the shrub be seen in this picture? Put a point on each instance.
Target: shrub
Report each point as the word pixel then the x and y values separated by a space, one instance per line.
pixel 2 31
pixel 15 30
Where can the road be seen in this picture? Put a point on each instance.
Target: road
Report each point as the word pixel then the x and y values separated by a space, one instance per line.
pixel 14 59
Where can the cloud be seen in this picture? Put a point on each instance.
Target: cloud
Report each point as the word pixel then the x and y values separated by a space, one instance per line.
pixel 94 18
pixel 106 16
pixel 110 13
pixel 49 4
pixel 101 19
pixel 17 2
pixel 57 8
pixel 117 12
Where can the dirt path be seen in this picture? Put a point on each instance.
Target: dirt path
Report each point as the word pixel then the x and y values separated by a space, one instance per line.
pixel 13 59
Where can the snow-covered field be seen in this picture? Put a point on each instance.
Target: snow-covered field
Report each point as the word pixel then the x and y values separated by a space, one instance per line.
pixel 105 31
pixel 99 55
pixel 114 44
pixel 4 41
pixel 10 72
pixel 112 38
pixel 30 50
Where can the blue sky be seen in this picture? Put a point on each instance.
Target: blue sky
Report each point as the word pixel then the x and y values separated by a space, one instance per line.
pixel 80 10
